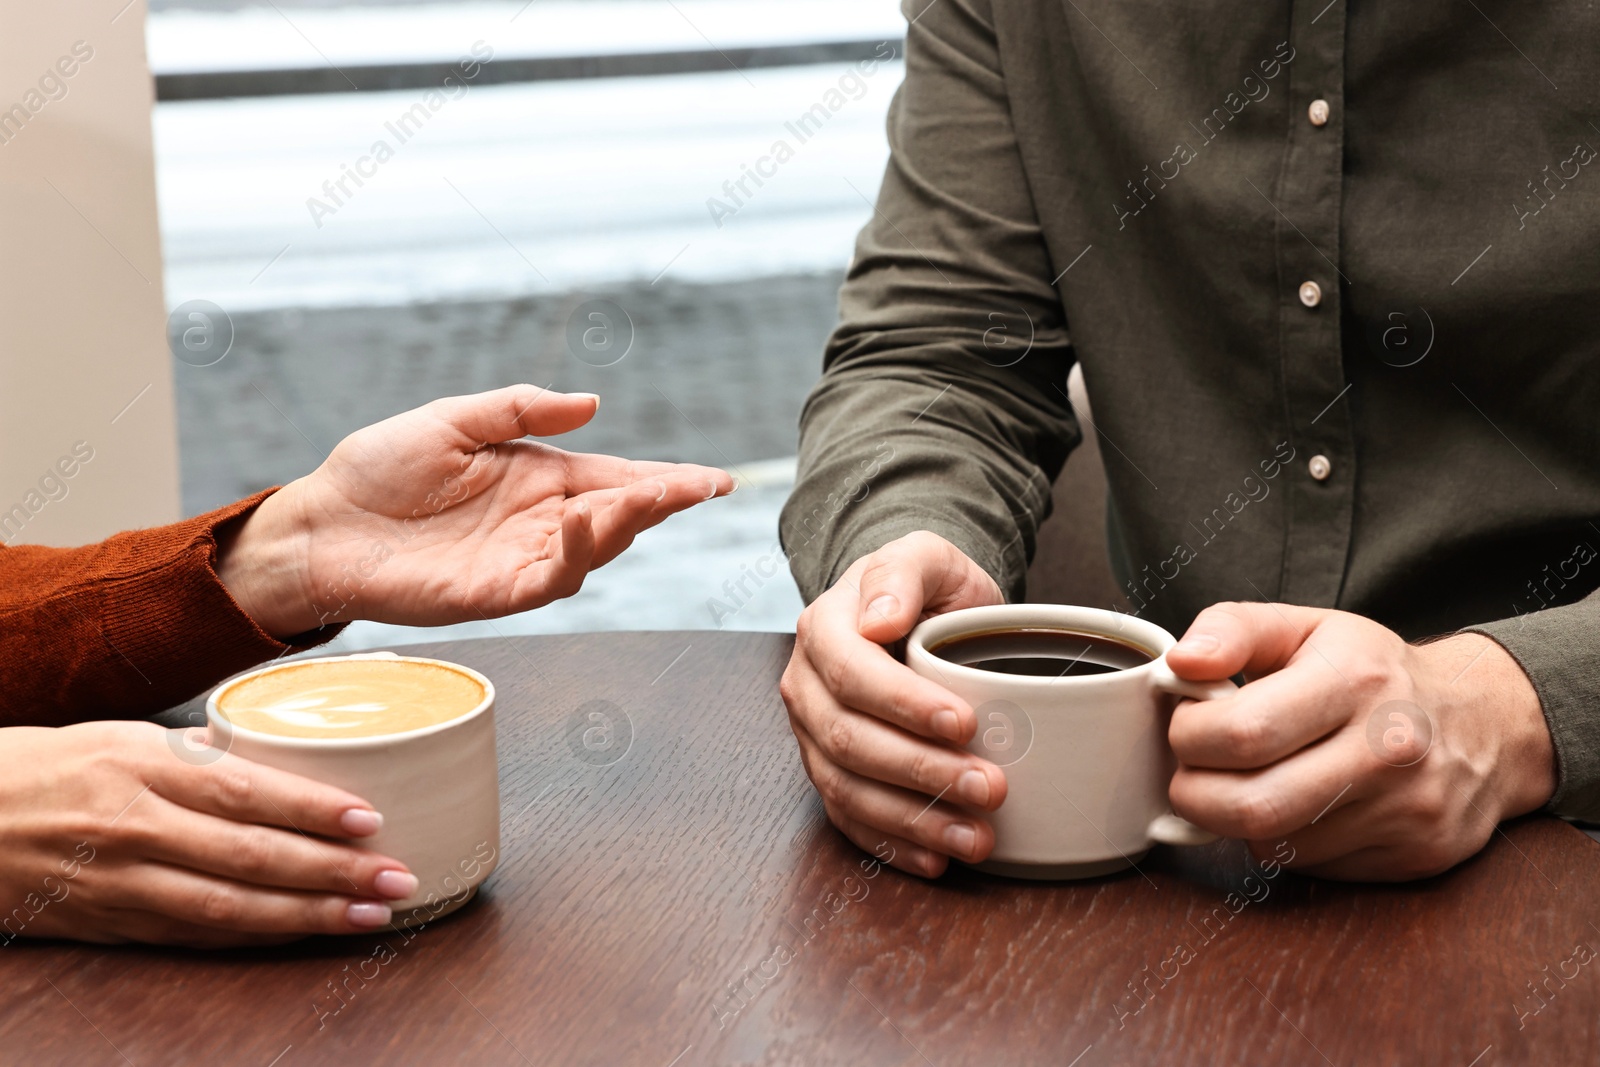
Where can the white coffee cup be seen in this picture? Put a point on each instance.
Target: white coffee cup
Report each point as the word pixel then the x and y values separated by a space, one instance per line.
pixel 1086 757
pixel 437 787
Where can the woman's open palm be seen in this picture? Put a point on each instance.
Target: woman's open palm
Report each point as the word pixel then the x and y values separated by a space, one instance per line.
pixel 444 514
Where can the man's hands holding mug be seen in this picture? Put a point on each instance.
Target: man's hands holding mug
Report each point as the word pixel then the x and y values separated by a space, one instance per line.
pixel 1375 759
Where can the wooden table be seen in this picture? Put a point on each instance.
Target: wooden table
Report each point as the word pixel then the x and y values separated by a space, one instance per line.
pixel 672 895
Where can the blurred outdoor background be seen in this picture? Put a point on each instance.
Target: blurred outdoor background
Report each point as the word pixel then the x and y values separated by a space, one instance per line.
pixel 568 177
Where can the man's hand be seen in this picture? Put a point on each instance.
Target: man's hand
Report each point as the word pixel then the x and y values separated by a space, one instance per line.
pixel 1375 759
pixel 878 740
pixel 445 514
pixel 107 834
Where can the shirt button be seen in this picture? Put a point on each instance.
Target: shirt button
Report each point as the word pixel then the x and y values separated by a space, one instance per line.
pixel 1320 467
pixel 1318 112
pixel 1310 294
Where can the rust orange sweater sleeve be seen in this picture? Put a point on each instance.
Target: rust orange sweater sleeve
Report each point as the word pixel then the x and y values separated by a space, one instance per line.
pixel 124 628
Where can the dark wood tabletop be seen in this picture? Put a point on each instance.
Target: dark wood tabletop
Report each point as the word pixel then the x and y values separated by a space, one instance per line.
pixel 673 895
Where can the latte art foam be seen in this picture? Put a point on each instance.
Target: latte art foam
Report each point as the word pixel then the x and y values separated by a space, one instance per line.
pixel 350 698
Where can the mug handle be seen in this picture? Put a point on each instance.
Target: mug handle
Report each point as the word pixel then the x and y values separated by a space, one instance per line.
pixel 1169 829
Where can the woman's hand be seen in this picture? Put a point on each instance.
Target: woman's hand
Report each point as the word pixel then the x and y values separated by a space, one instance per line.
pixel 107 835
pixel 445 514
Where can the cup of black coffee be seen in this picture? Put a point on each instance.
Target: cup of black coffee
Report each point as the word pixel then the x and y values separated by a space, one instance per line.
pixel 1073 703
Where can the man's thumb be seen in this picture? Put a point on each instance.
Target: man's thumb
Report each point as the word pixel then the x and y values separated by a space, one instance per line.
pixel 893 592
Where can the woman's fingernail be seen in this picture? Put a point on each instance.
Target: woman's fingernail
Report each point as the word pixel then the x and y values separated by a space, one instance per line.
pixel 369 915
pixel 396 885
pixel 361 822
pixel 662 494
pixel 960 838
pixel 1201 644
pixel 882 607
pixel 947 724
pixel 973 787
pixel 587 396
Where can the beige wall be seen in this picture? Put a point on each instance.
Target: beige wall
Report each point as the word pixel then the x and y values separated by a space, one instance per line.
pixel 82 320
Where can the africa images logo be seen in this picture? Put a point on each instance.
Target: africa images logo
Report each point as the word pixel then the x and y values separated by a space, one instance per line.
pixel 599 733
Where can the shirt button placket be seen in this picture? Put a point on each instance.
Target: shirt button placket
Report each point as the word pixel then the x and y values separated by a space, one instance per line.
pixel 1310 199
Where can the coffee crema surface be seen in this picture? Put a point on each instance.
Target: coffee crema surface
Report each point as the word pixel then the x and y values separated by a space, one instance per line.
pixel 1041 652
pixel 350 698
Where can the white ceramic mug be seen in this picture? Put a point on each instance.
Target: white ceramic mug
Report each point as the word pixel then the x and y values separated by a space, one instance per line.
pixel 1086 757
pixel 437 787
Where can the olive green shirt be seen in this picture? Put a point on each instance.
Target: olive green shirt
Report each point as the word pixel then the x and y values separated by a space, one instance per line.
pixel 1333 275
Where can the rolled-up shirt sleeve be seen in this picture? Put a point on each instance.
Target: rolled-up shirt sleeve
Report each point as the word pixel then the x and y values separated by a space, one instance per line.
pixel 943 402
pixel 124 628
pixel 1559 650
